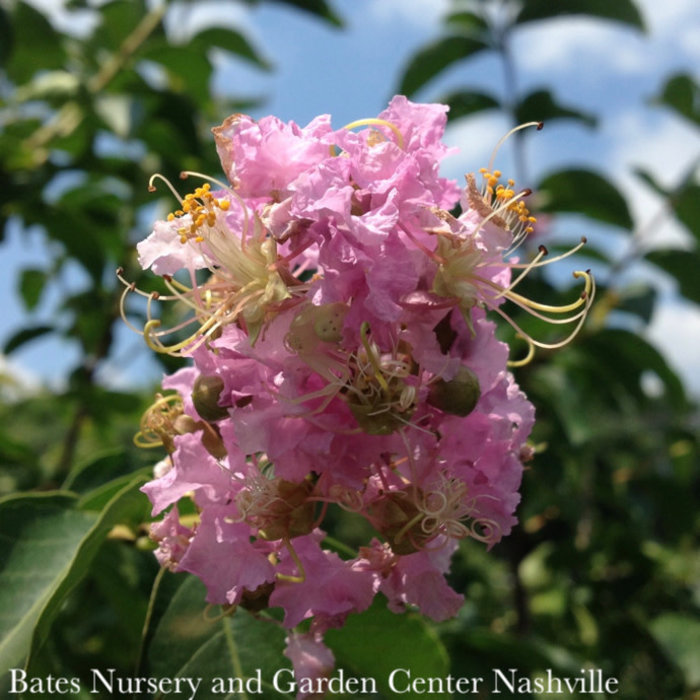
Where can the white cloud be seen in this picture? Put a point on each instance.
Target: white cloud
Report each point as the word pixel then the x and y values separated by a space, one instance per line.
pixel 475 138
pixel 416 12
pixel 580 46
pixel 16 382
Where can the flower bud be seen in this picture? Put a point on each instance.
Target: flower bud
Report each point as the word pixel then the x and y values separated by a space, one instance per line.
pixel 328 322
pixel 212 442
pixel 457 396
pixel 205 396
pixel 184 424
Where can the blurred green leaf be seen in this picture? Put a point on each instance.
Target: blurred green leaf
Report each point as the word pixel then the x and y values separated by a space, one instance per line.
pixel 434 58
pixel 72 228
pixel 119 18
pixel 189 68
pixel 639 300
pixel 320 8
pixel 541 106
pixel 679 637
pixel 31 286
pixel 25 335
pixel 682 94
pixel 36 45
pixel 687 207
pixel 188 642
pixel 6 35
pixel 584 192
pixel 230 40
pixel 627 357
pixel 467 23
pixel 425 656
pixel 97 470
pixel 464 102
pixel 683 265
pixel 685 199
pixel 624 11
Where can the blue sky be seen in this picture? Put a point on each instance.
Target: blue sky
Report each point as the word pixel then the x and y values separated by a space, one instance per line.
pixel 603 68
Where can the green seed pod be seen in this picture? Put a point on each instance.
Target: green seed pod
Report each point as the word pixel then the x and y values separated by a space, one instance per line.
pixel 458 396
pixel 372 422
pixel 328 322
pixel 205 396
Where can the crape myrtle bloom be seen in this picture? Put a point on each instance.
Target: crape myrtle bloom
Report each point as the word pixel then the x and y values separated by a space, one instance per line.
pixel 342 356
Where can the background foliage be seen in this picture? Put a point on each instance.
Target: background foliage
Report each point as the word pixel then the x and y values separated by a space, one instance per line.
pixel 603 570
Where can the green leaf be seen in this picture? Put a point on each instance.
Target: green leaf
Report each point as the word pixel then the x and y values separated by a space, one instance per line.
pixel 687 206
pixel 6 35
pixel 37 45
pixel 624 11
pixel 540 106
pixel 584 192
pixel 229 40
pixel 684 266
pixel 190 641
pixel 679 638
pixel 31 285
pixel 189 69
pixel 24 336
pixel 638 300
pixel 681 93
pixel 463 103
pixel 627 357
pixel 100 496
pixel 685 199
pixel 47 547
pixel 467 23
pixel 73 229
pixel 436 57
pixel 320 8
pixel 119 19
pixel 374 643
pixel 96 471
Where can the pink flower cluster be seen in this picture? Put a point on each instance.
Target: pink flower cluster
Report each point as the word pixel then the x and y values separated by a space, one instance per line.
pixel 341 358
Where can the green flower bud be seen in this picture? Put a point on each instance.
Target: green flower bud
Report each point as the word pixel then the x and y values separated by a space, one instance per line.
pixel 212 442
pixel 205 396
pixel 328 321
pixel 458 396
